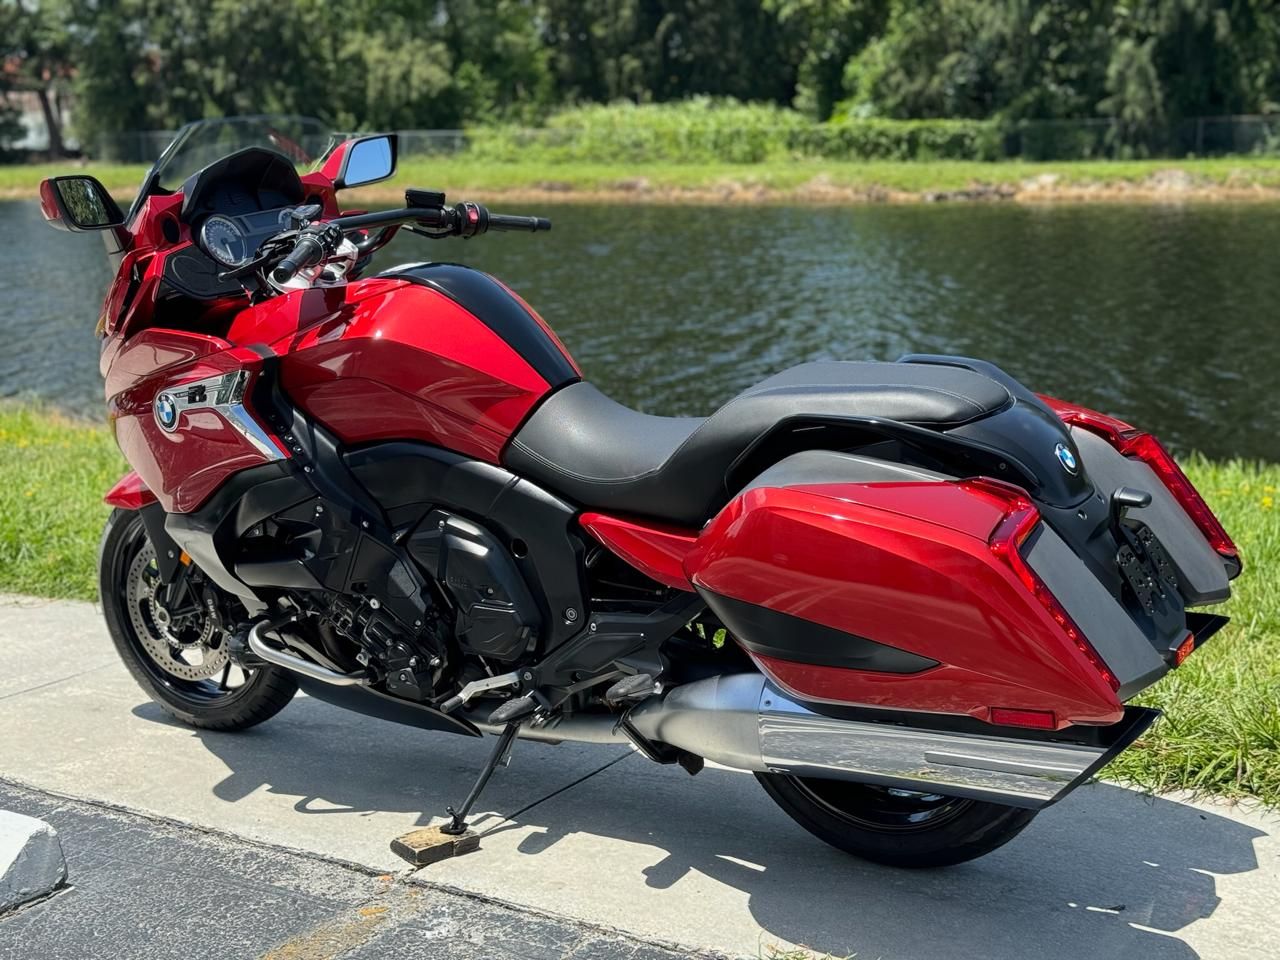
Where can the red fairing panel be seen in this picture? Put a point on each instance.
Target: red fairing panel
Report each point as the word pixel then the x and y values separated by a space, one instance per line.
pixel 129 493
pixel 406 363
pixel 656 550
pixel 908 565
pixel 181 468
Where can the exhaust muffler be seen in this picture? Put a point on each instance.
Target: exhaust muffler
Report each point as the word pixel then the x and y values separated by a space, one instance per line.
pixel 744 722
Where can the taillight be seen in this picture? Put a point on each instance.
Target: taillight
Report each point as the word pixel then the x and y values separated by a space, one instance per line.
pixel 1131 442
pixel 1020 518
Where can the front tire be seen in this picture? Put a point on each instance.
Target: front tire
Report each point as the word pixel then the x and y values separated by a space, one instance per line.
pixel 182 663
pixel 900 828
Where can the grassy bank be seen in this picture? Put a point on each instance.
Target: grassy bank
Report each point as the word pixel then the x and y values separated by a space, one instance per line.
pixel 1221 734
pixel 829 181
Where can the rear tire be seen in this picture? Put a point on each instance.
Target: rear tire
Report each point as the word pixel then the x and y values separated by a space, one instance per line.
pixel 204 701
pixel 899 828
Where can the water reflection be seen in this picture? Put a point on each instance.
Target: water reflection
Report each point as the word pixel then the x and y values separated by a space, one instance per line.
pixel 1161 315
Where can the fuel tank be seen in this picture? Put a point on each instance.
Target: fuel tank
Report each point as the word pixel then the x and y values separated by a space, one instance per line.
pixel 442 354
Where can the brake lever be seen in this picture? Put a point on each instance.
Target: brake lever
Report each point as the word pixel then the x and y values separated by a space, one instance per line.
pixel 235 273
pixel 244 270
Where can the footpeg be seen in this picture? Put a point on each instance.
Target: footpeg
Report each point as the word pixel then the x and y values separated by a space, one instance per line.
pixel 635 687
pixel 513 711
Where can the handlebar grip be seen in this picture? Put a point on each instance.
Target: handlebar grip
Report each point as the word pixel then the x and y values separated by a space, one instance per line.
pixel 501 221
pixel 307 251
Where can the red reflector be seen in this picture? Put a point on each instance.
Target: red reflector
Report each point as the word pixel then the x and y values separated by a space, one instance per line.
pixel 1036 719
pixel 1020 519
pixel 1132 442
pixel 1184 650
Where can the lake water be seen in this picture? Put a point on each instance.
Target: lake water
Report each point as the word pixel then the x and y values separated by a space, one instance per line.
pixel 1165 316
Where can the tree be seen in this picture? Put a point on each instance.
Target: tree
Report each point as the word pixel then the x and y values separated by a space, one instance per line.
pixel 110 97
pixel 38 48
pixel 820 36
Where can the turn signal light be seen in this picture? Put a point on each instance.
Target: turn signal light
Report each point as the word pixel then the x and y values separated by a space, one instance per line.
pixel 1020 519
pixel 1132 442
pixel 1035 719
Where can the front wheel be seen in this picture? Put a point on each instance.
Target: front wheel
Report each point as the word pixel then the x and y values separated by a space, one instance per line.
pixel 175 642
pixel 901 828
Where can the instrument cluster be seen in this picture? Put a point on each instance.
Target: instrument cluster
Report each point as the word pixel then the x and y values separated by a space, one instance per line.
pixel 234 240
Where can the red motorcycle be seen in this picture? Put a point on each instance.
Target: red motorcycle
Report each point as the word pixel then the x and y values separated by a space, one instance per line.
pixel 912 598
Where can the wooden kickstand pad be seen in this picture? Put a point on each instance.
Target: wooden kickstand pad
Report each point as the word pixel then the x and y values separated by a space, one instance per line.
pixel 431 845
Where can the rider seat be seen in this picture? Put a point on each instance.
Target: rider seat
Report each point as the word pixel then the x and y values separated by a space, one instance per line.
pixel 603 455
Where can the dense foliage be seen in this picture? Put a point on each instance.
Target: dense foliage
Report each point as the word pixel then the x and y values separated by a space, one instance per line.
pixel 1141 65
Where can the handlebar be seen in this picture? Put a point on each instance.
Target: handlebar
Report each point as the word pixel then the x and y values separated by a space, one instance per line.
pixel 308 251
pixel 501 221
pixel 319 241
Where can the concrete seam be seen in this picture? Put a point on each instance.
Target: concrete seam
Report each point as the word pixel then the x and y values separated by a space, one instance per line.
pixel 51 683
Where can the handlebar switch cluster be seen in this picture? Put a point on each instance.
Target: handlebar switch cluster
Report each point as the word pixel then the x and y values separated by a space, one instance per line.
pixel 472 219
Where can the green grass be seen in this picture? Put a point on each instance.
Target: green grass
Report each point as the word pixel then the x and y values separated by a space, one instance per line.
pixel 24 180
pixel 1221 730
pixel 786 176
pixel 53 473
pixel 1220 735
pixel 778 179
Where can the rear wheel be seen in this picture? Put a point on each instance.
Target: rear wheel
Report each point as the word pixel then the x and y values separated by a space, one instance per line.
pixel 901 828
pixel 177 648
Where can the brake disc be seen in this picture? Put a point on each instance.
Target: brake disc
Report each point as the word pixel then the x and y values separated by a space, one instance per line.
pixel 189 647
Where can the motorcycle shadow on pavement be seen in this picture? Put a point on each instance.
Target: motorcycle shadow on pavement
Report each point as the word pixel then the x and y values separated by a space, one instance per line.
pixel 1106 873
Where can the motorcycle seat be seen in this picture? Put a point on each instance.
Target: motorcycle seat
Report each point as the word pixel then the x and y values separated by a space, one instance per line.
pixel 600 454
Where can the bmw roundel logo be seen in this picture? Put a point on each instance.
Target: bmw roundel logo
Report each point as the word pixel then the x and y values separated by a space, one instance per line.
pixel 166 410
pixel 1067 459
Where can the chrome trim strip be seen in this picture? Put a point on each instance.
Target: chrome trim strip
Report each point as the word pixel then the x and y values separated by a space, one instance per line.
pixel 224 395
pixel 242 420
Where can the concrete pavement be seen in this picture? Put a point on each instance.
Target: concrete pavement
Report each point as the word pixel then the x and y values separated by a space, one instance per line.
pixel 600 835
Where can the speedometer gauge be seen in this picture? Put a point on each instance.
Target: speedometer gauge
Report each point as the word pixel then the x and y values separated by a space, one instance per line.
pixel 223 240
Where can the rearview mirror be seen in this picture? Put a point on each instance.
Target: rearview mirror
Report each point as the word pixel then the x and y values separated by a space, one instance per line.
pixel 367 161
pixel 78 204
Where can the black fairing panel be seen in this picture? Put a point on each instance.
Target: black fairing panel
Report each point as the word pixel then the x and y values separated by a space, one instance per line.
pixel 251 179
pixel 772 633
pixel 410 479
pixel 1027 431
pixel 494 306
pixel 496 616
pixel 1202 577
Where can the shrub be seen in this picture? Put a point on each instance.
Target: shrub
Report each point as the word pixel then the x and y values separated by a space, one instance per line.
pixel 705 130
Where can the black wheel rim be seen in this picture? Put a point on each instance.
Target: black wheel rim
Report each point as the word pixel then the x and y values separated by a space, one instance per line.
pixel 228 683
pixel 881 809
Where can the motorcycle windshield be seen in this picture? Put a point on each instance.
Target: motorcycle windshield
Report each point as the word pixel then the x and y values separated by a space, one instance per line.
pixel 304 140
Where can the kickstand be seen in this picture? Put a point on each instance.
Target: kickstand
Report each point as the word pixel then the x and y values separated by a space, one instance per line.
pixel 458 825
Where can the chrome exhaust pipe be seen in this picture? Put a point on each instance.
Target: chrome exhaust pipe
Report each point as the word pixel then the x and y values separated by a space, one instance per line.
pixel 264 651
pixel 744 722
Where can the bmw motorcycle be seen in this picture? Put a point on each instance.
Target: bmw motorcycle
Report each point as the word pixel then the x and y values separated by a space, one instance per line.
pixel 912 598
